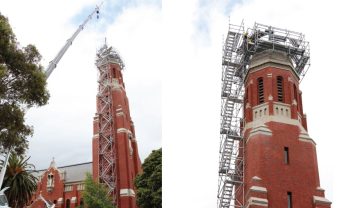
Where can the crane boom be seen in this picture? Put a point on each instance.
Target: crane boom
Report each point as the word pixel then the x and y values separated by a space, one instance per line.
pixel 48 71
pixel 69 42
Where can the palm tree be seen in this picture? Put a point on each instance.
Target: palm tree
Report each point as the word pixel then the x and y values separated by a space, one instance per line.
pixel 20 180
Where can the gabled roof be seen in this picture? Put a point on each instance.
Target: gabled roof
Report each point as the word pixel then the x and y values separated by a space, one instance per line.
pixel 71 173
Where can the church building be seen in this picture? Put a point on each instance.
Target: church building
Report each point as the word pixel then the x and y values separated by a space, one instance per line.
pixel 62 186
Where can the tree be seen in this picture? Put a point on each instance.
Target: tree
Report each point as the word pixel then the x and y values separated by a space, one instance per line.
pixel 95 194
pixel 149 183
pixel 20 180
pixel 22 85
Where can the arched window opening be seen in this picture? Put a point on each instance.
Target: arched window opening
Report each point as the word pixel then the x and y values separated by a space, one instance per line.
pixel 246 96
pixel 286 155
pixel 295 93
pixel 260 90
pixel 280 96
pixel 289 197
pixel 50 180
pixel 300 103
pixel 113 73
pixel 131 150
pixel 81 202
pixel 67 203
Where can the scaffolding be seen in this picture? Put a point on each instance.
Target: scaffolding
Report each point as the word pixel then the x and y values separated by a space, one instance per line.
pixel 107 146
pixel 239 47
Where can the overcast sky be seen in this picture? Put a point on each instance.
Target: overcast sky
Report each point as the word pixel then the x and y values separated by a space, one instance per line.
pixel 191 118
pixel 63 128
pixel 172 52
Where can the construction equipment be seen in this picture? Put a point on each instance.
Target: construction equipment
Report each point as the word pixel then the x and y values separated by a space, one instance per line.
pixel 239 47
pixel 107 164
pixel 54 62
pixel 48 71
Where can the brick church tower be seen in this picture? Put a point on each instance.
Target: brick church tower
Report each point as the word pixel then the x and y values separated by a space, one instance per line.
pixel 280 157
pixel 116 160
pixel 267 158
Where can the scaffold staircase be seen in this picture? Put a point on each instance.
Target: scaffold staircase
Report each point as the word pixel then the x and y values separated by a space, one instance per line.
pixel 230 49
pixel 230 178
pixel 239 46
pixel 107 143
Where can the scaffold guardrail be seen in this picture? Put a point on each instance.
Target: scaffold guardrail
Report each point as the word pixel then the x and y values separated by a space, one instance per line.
pixel 239 47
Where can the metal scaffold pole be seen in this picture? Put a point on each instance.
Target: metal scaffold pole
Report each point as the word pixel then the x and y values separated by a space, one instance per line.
pixel 107 143
pixel 231 163
pixel 239 47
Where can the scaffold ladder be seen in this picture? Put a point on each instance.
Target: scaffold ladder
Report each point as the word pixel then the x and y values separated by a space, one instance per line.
pixel 239 47
pixel 231 162
pixel 107 150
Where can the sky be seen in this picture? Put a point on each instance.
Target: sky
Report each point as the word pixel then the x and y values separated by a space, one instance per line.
pixel 63 128
pixel 172 51
pixel 190 133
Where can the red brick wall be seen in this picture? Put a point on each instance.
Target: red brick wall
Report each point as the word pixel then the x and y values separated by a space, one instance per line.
pixel 127 158
pixel 265 158
pixel 264 154
pixel 57 191
pixel 270 88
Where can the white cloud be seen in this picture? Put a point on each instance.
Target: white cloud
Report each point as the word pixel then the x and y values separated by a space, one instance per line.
pixel 136 34
pixel 191 103
pixel 167 45
pixel 324 86
pixel 63 128
pixel 192 87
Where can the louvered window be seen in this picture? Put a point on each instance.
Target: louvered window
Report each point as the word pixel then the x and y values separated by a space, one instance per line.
pixel 280 89
pixel 260 90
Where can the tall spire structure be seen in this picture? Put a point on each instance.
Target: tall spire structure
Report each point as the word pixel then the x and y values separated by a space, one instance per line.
pixel 267 158
pixel 115 154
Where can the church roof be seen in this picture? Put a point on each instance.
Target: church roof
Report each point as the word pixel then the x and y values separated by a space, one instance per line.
pixel 71 173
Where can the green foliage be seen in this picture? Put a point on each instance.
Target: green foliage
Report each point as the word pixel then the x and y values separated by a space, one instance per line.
pixel 22 85
pixel 149 183
pixel 20 180
pixel 95 194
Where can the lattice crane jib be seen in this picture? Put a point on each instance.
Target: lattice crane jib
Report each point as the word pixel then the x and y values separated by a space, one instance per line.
pixel 107 147
pixel 239 46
